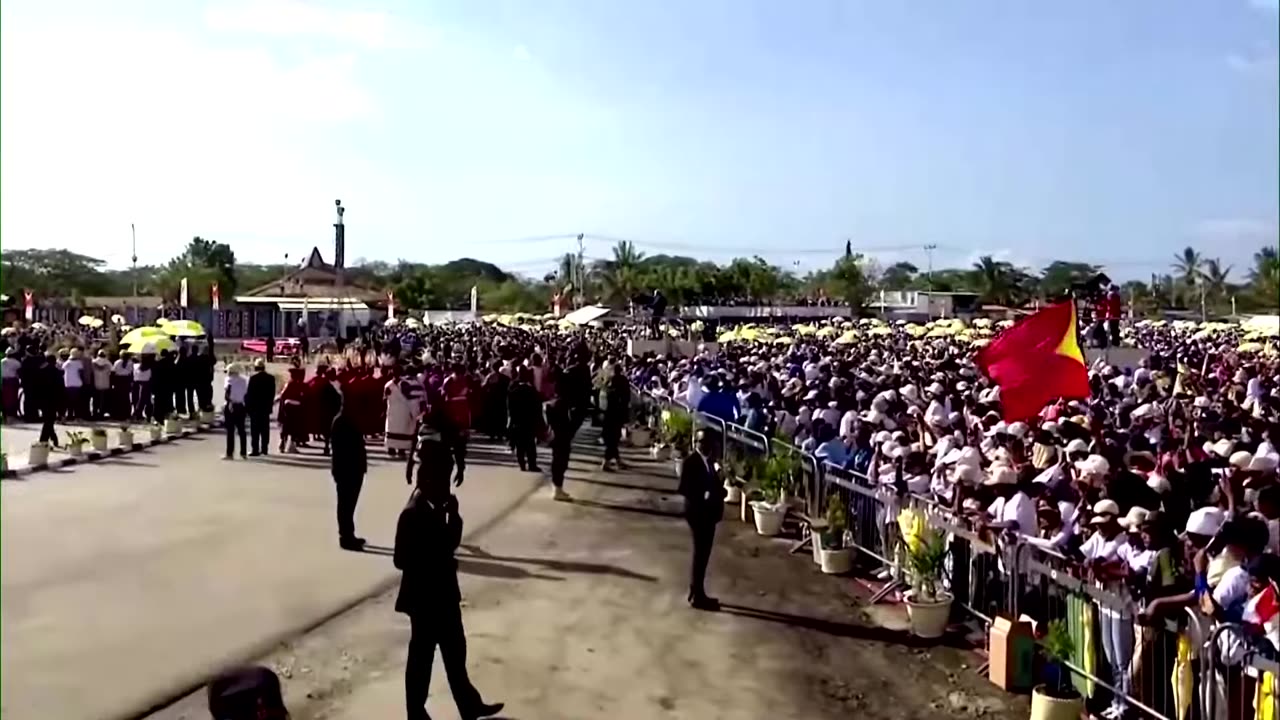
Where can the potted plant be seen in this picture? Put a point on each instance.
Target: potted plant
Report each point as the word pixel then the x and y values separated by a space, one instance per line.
pixel 126 437
pixel 156 431
pixel 1056 698
pixel 172 425
pixel 98 439
pixel 677 434
pixel 769 511
pixel 641 433
pixel 206 416
pixel 741 470
pixel 39 454
pixel 835 557
pixel 928 606
pixel 75 443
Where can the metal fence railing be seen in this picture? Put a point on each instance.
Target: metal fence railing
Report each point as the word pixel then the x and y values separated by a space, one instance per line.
pixel 1172 668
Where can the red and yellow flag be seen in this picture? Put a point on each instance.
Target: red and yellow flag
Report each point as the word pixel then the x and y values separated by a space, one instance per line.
pixel 1036 362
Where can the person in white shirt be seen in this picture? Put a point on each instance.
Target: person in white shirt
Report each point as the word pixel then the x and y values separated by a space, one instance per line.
pixel 73 377
pixel 236 386
pixel 1105 549
pixel 100 369
pixel 9 383
pixel 1013 510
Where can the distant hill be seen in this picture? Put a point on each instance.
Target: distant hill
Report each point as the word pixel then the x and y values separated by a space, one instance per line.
pixel 470 267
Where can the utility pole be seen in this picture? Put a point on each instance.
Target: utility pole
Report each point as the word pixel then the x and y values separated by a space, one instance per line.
pixel 1204 315
pixel 581 271
pixel 134 231
pixel 928 249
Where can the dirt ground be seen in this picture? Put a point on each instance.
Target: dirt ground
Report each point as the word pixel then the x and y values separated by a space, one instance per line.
pixel 576 610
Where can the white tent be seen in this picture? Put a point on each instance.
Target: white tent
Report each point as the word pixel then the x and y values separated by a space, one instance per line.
pixel 587 315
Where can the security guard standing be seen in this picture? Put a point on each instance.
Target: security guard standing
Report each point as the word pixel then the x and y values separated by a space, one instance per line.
pixel 427 535
pixel 703 507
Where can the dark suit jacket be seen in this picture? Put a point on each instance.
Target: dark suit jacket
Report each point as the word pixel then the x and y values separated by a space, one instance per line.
pixel 426 538
pixel 702 490
pixel 347 445
pixel 261 394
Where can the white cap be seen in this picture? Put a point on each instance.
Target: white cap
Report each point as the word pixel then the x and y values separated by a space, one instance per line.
pixel 935 388
pixel 1094 465
pixel 1205 521
pixel 998 428
pixel 1077 446
pixel 1134 518
pixel 1264 463
pixel 1201 402
pixel 1221 448
pixel 1002 474
pixel 1018 429
pixel 1106 507
pixel 1050 427
pixel 1241 459
pixel 1159 483
pixel 967 474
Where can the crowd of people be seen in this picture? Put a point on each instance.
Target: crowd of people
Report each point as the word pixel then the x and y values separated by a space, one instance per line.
pixel 49 377
pixel 1160 486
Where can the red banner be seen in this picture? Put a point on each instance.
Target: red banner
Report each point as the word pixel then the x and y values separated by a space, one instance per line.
pixel 29 305
pixel 213 290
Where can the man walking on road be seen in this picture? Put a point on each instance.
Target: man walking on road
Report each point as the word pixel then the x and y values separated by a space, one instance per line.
pixel 258 402
pixel 703 506
pixel 565 415
pixel 427 535
pixel 349 464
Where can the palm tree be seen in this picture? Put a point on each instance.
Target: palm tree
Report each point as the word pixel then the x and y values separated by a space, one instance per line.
pixel 1215 278
pixel 994 279
pixel 621 276
pixel 1187 264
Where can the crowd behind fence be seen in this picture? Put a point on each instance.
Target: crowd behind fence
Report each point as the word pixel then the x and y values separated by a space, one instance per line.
pixel 1187 667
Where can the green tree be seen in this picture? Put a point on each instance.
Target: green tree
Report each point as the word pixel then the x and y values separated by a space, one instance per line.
pixel 848 281
pixel 898 276
pixel 1187 265
pixel 1058 276
pixel 56 273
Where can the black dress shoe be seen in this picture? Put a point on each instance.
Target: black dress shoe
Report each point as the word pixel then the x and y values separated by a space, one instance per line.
pixel 705 603
pixel 484 711
pixel 354 544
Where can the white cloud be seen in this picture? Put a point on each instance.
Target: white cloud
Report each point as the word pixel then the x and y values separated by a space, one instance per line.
pixel 1259 61
pixel 298 18
pixel 1237 231
pixel 107 126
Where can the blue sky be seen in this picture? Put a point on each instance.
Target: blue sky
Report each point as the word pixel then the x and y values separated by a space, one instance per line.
pixel 1115 132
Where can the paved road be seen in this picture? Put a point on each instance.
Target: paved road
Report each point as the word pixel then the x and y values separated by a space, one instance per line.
pixel 127 581
pixel 577 611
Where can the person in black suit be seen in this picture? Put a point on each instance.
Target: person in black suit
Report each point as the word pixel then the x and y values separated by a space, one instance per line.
pixel 427 535
pixel 348 464
pixel 703 506
pixel 258 401
pixel 524 412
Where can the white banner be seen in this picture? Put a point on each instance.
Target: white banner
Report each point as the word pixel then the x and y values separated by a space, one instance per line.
pixel 182 293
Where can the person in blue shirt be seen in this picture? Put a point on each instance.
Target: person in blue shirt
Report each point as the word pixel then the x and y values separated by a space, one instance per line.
pixel 717 402
pixel 831 447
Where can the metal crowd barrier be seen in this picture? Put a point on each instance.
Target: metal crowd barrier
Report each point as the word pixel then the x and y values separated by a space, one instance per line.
pixel 1168 669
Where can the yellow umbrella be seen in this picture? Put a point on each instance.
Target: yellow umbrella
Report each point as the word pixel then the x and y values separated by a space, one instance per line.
pixel 38 326
pixel 982 322
pixel 126 328
pixel 1250 347
pixel 97 323
pixel 827 331
pixel 981 342
pixel 143 333
pixel 156 343
pixel 117 319
pixel 727 336
pixel 783 341
pixel 880 330
pixel 390 322
pixel 184 328
pixel 86 320
pixel 162 321
pixel 848 338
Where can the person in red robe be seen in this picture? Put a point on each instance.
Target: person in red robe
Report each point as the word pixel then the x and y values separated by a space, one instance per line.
pixel 291 407
pixel 312 407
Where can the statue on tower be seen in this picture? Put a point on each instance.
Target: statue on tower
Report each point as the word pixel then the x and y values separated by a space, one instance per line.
pixel 339 240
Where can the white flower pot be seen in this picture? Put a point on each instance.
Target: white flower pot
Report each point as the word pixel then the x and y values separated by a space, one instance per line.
pixel 661 453
pixel 641 437
pixel 156 431
pixel 126 439
pixel 171 426
pixel 73 449
pixel 1045 707
pixel 836 562
pixel 38 455
pixel 732 493
pixel 98 442
pixel 744 509
pixel 768 517
pixel 928 619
